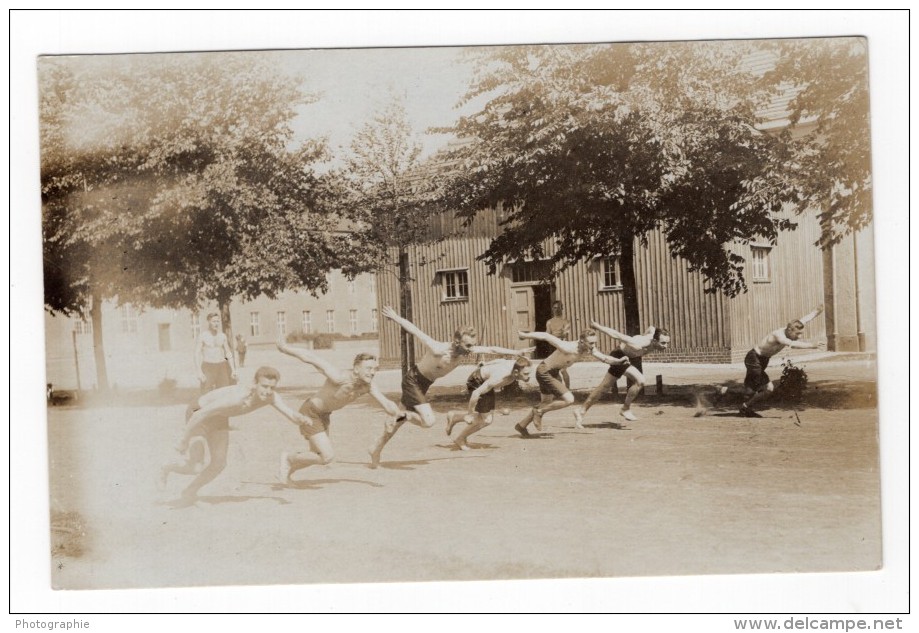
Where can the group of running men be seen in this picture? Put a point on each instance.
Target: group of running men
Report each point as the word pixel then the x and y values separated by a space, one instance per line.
pixel 203 446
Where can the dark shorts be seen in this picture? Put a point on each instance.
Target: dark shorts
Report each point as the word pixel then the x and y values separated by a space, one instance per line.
pixel 617 371
pixel 216 375
pixel 550 381
pixel 322 420
pixel 756 377
pixel 414 388
pixel 486 403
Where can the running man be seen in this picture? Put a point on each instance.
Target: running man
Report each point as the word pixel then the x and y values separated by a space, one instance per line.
pixel 482 384
pixel 440 358
pixel 555 394
pixel 208 423
pixel 757 384
pixel 341 388
pixel 631 348
pixel 213 357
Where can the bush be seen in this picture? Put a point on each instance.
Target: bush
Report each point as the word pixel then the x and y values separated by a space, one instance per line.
pixel 792 383
pixel 316 341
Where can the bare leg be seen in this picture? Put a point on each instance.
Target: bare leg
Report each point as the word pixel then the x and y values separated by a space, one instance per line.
pixel 322 454
pixel 758 395
pixel 389 430
pixel 454 417
pixel 636 382
pixel 480 422
pixel 218 441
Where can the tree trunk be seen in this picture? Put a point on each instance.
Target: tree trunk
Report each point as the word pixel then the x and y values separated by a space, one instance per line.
pixel 629 286
pixel 226 321
pixel 407 342
pixel 95 312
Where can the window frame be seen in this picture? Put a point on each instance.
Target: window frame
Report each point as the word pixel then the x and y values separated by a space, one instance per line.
pixel 451 278
pixel 765 262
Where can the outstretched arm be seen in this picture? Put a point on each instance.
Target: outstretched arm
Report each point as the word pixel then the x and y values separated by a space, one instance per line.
pixel 409 327
pixel 294 416
pixel 813 315
pixel 784 340
pixel 609 360
pixel 505 351
pixel 619 336
pixel 388 405
pixel 221 406
pixel 541 336
pixel 321 364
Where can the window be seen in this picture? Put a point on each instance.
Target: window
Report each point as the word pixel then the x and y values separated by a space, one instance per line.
pixel 352 319
pixel 195 325
pixel 330 321
pixel 609 267
pixel 760 263
pixel 282 323
pixel 255 328
pixel 307 326
pixel 374 325
pixel 456 284
pixel 82 326
pixel 523 272
pixel 128 319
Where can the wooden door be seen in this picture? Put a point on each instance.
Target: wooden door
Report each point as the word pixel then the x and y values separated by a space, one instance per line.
pixel 524 313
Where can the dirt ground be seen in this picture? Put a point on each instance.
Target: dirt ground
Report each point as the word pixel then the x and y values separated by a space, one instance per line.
pixel 668 494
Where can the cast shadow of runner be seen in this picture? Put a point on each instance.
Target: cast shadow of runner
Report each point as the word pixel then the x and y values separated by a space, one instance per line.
pixel 410 465
pixel 316 484
pixel 475 446
pixel 180 503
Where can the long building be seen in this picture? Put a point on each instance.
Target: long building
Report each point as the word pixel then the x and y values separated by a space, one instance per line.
pixel 144 346
pixel 450 287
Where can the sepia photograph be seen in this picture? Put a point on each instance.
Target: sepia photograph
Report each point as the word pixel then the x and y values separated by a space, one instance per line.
pixel 540 311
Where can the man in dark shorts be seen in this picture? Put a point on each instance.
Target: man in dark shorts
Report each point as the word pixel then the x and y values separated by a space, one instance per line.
pixel 340 388
pixel 757 384
pixel 482 384
pixel 555 393
pixel 439 359
pixel 631 348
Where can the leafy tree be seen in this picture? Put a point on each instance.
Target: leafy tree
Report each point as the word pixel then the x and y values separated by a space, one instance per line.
pixel 829 167
pixel 168 181
pixel 388 198
pixel 590 148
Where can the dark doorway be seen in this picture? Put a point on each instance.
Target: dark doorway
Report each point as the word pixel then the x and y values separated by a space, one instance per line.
pixel 542 308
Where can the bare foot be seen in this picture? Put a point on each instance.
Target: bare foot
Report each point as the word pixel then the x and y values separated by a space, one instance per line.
pixel 451 421
pixel 579 418
pixel 375 452
pixel 461 444
pixel 284 468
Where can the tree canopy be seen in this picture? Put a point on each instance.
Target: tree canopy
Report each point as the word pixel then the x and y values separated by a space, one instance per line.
pixel 168 180
pixel 592 147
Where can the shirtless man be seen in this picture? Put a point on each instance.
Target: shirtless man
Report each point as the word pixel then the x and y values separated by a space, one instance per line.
pixel 631 348
pixel 341 388
pixel 208 420
pixel 482 384
pixel 555 394
pixel 440 358
pixel 213 357
pixel 560 327
pixel 756 383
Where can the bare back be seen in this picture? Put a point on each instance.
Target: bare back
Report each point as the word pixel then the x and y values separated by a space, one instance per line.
pixel 232 401
pixel 564 356
pixel 439 362
pixel 773 343
pixel 335 395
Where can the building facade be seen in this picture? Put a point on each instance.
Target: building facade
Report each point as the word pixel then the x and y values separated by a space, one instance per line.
pixel 145 346
pixel 450 287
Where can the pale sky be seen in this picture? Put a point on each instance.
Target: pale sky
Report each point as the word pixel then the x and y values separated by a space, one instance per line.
pixel 355 83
